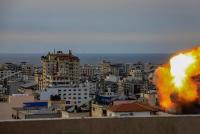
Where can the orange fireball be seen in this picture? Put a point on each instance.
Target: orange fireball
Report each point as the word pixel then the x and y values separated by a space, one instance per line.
pixel 175 82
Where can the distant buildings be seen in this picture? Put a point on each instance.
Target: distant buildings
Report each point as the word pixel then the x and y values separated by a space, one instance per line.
pixel 27 69
pixel 88 70
pixel 22 71
pixel 104 68
pixel 34 110
pixel 108 89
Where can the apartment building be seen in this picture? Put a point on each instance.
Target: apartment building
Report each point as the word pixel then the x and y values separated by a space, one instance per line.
pixel 104 68
pixel 60 69
pixel 88 70
pixel 73 95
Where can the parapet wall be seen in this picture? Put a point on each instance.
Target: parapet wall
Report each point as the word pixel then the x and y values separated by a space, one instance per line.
pixel 135 125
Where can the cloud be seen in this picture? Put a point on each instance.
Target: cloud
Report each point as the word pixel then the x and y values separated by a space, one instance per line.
pixel 97 38
pixel 138 23
pixel 133 5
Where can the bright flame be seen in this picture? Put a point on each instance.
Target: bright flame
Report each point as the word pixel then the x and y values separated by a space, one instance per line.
pixel 179 65
pixel 175 80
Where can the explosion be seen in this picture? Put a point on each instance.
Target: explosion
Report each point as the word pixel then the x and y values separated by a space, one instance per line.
pixel 176 80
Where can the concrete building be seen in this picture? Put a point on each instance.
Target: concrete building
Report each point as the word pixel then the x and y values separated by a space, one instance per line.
pixel 10 66
pixel 4 73
pixel 34 110
pixel 112 78
pixel 129 86
pixel 117 69
pixel 17 100
pixel 3 93
pixel 60 68
pixel 98 110
pixel 21 113
pixel 135 109
pixel 155 125
pixel 27 69
pixel 137 74
pixel 38 77
pixel 88 70
pixel 104 68
pixel 74 95
pixel 28 86
pixel 150 97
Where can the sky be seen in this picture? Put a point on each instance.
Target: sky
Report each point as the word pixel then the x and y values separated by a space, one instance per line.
pixel 99 26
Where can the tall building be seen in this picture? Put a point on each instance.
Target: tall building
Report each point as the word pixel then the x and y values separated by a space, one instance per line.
pixel 60 69
pixel 104 68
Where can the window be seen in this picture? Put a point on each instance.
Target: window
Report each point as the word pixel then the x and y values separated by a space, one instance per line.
pixel 69 94
pixel 74 94
pixel 131 114
pixel 79 98
pixel 74 90
pixel 85 93
pixel 85 97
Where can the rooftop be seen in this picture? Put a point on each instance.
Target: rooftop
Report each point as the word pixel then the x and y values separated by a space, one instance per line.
pixel 132 107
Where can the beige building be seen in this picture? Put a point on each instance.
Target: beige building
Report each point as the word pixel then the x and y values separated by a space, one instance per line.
pixel 104 68
pixel 60 69
pixel 98 110
pixel 17 100
pixel 88 70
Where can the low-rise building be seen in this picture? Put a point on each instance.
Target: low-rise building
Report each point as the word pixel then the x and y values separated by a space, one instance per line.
pixel 28 86
pixel 34 110
pixel 98 110
pixel 17 100
pixel 135 109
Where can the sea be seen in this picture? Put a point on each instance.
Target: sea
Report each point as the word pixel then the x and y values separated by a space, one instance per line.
pixel 89 58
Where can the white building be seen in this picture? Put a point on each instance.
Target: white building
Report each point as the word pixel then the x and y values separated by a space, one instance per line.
pixel 112 78
pixel 73 95
pixel 137 74
pixel 2 90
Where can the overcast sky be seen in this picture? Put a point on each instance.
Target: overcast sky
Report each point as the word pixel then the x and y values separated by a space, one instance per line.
pixel 99 26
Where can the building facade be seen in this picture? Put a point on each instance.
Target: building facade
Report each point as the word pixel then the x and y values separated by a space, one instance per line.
pixel 60 68
pixel 73 95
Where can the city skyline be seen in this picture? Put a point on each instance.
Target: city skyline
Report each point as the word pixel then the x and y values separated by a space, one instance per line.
pixel 93 26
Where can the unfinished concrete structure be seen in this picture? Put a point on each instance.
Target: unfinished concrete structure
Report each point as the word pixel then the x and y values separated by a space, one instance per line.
pixel 135 125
